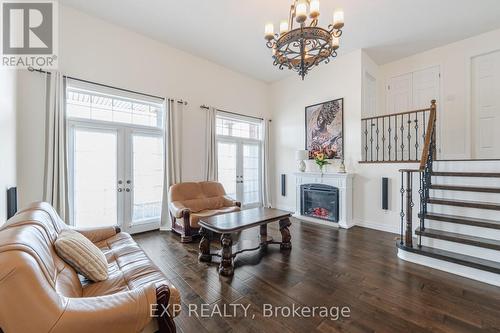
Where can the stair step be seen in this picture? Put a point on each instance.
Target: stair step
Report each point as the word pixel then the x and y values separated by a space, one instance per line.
pixel 465 188
pixel 466 174
pixel 476 222
pixel 460 238
pixel 462 203
pixel 461 259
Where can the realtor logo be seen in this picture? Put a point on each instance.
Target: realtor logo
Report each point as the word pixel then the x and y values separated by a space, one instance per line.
pixel 29 34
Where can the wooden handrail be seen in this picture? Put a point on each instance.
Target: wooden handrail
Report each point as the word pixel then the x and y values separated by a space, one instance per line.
pixel 395 114
pixel 431 128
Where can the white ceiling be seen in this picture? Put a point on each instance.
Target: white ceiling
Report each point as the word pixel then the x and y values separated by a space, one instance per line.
pixel 230 32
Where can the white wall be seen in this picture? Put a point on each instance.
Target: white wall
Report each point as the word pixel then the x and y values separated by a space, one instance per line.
pixel 341 78
pixel 454 105
pixel 7 137
pixel 98 51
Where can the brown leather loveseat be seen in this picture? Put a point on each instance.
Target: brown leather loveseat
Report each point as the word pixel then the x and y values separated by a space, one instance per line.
pixel 39 292
pixel 189 202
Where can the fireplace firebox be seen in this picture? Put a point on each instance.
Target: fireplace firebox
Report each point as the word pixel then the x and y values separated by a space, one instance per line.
pixel 320 201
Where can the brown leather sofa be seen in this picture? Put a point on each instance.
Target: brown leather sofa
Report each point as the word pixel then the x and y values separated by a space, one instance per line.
pixel 189 202
pixel 39 292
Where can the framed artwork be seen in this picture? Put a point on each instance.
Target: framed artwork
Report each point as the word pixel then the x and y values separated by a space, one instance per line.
pixel 325 128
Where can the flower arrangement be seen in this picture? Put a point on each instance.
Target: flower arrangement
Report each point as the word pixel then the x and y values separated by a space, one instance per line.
pixel 321 160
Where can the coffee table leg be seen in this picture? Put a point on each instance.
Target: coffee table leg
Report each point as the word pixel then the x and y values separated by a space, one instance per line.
pixel 263 234
pixel 205 246
pixel 226 263
pixel 285 234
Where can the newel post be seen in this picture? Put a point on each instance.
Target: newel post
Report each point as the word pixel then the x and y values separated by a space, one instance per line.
pixel 409 210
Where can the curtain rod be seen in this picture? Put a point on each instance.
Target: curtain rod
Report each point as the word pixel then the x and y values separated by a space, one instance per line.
pixel 236 114
pixel 31 69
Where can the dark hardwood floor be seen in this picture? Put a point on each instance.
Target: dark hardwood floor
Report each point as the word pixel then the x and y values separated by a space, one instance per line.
pixel 357 268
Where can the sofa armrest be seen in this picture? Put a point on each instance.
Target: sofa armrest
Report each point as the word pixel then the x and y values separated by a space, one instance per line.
pixel 98 234
pixel 230 202
pixel 123 312
pixel 177 209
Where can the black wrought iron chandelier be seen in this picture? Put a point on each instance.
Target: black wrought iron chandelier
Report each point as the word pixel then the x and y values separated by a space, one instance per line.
pixel 307 46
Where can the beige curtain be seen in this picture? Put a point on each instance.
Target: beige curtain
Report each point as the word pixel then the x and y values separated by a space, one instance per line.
pixel 211 146
pixel 172 154
pixel 55 189
pixel 266 167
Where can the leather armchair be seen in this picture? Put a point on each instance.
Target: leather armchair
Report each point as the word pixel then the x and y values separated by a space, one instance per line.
pixel 190 201
pixel 39 292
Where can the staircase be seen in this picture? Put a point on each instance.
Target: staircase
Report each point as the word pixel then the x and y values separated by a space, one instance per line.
pixel 456 227
pixel 459 220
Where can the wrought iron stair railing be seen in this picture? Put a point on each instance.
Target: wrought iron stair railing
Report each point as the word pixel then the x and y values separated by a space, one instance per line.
pixel 424 172
pixel 396 138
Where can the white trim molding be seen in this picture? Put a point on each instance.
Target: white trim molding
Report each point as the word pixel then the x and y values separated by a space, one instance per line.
pixel 343 181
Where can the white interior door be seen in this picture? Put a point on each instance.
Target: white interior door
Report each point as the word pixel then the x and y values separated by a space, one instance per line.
pixel 369 96
pixel 486 106
pixel 425 85
pixel 413 91
pixel 399 94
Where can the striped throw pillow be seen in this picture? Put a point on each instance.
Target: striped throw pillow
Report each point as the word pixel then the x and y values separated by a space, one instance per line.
pixel 81 254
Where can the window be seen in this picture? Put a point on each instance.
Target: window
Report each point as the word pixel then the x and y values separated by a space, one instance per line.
pixel 85 104
pixel 239 150
pixel 234 127
pixel 115 149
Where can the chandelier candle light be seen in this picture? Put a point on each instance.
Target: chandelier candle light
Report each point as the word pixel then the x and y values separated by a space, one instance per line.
pixel 302 48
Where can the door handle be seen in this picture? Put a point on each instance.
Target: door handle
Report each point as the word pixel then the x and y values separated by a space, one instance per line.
pixel 127 189
pixel 120 189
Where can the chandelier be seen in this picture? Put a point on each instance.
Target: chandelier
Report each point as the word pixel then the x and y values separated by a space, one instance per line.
pixel 307 46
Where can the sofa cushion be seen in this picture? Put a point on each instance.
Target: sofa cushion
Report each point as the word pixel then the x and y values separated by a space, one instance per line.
pixel 194 218
pixel 81 254
pixel 186 191
pixel 212 189
pixel 128 268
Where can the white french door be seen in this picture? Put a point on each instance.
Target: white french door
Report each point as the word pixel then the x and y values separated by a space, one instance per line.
pixel 239 170
pixel 115 175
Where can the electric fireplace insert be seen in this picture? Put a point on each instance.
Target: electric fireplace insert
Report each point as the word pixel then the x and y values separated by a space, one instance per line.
pixel 320 201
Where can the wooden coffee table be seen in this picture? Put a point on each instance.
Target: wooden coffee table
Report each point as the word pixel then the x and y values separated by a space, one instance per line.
pixel 230 223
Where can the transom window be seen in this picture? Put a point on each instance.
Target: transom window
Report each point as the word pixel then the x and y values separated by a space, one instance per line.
pixel 83 103
pixel 236 127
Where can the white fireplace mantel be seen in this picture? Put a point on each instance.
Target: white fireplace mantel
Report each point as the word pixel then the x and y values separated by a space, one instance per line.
pixel 343 181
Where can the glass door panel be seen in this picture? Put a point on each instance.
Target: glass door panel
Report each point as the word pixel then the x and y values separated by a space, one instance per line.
pixel 146 185
pixel 95 175
pixel 251 175
pixel 227 167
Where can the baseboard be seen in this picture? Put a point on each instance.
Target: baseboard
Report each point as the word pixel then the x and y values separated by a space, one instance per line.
pixel 286 208
pixel 377 226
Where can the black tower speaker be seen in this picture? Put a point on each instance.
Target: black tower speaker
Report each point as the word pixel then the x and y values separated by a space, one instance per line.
pixel 385 193
pixel 283 185
pixel 11 202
